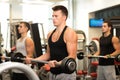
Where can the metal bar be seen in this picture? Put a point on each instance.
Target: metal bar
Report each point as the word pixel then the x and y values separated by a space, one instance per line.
pixel 39 61
pixel 95 56
pixel 33 60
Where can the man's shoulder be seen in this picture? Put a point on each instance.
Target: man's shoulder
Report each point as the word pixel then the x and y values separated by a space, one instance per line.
pixel 69 29
pixel 115 39
pixel 29 39
pixel 70 33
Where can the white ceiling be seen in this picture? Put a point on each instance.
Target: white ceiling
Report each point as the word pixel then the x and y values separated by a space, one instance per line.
pixel 31 1
pixel 48 0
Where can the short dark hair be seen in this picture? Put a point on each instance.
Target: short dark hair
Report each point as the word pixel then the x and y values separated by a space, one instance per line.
pixel 26 24
pixel 62 8
pixel 109 23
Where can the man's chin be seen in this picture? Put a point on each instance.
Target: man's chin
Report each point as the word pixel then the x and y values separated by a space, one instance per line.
pixel 55 25
pixel 103 32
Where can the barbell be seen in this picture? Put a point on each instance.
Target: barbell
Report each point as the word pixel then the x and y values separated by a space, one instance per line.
pixel 67 64
pixel 81 55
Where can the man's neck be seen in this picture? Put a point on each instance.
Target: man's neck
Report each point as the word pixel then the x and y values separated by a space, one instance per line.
pixel 23 35
pixel 60 28
pixel 106 34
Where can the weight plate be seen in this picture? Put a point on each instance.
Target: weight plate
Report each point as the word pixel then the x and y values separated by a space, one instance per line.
pixel 94 46
pixel 117 58
pixel 68 65
pixel 80 55
pixel 16 57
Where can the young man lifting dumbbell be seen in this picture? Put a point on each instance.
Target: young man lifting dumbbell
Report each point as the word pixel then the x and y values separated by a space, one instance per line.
pixel 62 42
pixel 109 47
pixel 25 45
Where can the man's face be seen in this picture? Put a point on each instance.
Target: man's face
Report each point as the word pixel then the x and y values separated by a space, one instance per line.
pixel 58 18
pixel 105 28
pixel 22 28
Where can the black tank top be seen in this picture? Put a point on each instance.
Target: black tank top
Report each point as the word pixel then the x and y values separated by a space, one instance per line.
pixel 58 51
pixel 106 47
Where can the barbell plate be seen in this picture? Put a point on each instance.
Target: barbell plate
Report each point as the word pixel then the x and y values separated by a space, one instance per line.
pixel 94 46
pixel 80 55
pixel 71 65
pixel 0 58
pixel 17 57
pixel 117 58
pixel 68 65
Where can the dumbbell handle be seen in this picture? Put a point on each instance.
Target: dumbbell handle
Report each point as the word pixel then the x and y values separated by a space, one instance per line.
pixel 6 58
pixel 39 61
pixel 95 56
pixel 45 62
pixel 33 60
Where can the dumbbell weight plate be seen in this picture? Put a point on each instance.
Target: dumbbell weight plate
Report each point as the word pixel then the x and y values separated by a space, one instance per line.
pixel 68 65
pixel 71 65
pixel 80 55
pixel 117 58
pixel 94 46
pixel 17 57
pixel 0 58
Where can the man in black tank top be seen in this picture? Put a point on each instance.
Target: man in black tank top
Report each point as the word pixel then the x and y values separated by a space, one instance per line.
pixel 109 46
pixel 62 42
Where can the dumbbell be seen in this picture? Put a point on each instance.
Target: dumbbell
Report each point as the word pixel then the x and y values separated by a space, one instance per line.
pixel 81 55
pixel 67 64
